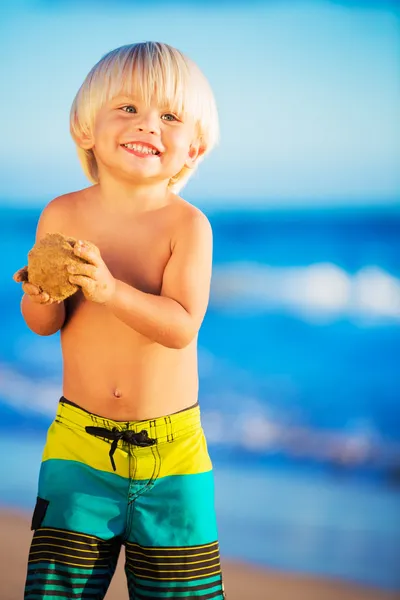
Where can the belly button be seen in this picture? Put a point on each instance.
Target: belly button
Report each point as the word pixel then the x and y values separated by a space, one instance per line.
pixel 117 393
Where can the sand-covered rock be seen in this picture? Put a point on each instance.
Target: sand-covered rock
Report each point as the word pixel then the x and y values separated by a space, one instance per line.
pixel 47 265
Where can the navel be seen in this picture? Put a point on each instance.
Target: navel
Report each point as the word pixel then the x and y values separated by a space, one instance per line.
pixel 117 393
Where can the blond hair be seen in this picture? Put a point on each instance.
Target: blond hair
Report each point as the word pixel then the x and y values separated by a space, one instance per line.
pixel 161 73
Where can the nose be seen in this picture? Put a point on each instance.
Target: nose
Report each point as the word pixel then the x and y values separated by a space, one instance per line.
pixel 148 123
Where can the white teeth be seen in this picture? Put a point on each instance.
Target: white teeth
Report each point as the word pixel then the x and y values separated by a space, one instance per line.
pixel 140 148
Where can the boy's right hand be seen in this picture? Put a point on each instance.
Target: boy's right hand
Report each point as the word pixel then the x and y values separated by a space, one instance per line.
pixel 34 293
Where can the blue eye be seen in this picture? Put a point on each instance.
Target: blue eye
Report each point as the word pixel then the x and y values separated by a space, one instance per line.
pixel 129 108
pixel 169 117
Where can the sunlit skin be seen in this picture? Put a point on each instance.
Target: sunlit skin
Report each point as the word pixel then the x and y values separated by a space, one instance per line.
pixel 129 336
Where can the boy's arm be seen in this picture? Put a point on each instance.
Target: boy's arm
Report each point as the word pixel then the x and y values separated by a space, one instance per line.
pixel 173 319
pixel 44 319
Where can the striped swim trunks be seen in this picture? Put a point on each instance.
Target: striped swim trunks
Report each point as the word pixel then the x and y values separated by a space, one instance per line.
pixel 146 485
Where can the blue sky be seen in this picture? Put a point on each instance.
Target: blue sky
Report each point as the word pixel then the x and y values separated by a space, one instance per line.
pixel 308 94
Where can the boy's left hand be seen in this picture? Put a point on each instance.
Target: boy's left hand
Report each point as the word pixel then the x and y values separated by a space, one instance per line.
pixel 96 281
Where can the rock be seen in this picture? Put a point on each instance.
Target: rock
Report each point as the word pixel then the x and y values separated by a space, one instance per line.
pixel 47 265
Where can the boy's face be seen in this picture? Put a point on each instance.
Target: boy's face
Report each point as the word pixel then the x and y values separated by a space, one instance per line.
pixel 142 143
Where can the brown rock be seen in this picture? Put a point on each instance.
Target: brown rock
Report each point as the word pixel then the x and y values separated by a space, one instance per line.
pixel 47 265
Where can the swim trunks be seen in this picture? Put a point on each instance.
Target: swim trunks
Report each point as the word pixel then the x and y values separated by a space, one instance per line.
pixel 147 485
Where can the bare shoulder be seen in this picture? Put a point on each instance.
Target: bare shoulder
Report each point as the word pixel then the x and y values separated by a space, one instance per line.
pixel 191 220
pixel 56 212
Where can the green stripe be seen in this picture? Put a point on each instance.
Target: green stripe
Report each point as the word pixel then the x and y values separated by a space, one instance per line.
pixel 98 508
pixel 78 582
pixel 175 594
pixel 170 584
pixel 59 587
pixel 66 569
pixel 184 505
pixel 40 597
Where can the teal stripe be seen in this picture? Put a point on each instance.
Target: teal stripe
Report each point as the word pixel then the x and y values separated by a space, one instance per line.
pixel 40 597
pixel 179 511
pixel 170 584
pixel 174 594
pixel 65 568
pixel 52 578
pixel 58 587
pixel 83 499
pixel 184 504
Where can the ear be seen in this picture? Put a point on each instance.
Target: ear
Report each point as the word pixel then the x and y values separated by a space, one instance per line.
pixel 85 141
pixel 196 150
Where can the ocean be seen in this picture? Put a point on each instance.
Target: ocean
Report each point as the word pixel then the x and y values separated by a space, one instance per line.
pixel 299 387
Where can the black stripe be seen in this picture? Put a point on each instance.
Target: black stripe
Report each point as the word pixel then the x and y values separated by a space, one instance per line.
pixel 70 535
pixel 216 594
pixel 68 548
pixel 180 588
pixel 83 543
pixel 173 551
pixel 33 572
pixel 88 583
pixel 156 559
pixel 63 594
pixel 67 560
pixel 36 552
pixel 141 572
pixel 160 566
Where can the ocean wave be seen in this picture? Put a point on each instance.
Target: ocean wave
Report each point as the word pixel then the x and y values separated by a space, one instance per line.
pixel 26 394
pixel 240 422
pixel 259 435
pixel 319 293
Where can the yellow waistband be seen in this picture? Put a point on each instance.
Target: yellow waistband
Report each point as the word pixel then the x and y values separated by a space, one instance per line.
pixel 163 429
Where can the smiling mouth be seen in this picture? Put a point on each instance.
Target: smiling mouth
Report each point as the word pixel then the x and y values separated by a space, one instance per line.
pixel 142 149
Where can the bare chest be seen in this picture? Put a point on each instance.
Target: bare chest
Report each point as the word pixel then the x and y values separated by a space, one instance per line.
pixel 136 255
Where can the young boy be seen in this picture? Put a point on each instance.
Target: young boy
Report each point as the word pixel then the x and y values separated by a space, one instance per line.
pixel 126 460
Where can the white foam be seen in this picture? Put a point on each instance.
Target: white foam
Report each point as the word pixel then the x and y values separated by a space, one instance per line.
pixel 24 393
pixel 319 292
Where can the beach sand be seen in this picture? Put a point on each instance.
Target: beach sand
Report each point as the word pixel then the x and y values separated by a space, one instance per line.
pixel 242 582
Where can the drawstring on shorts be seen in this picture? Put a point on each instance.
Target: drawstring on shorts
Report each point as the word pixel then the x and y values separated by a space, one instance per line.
pixel 140 438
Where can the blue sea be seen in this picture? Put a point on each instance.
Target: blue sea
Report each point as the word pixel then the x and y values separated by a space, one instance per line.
pixel 299 387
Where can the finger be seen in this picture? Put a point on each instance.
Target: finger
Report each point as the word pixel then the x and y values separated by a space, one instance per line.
pixel 88 252
pixel 44 298
pixel 79 268
pixel 21 275
pixel 41 298
pixel 52 301
pixel 81 280
pixel 90 245
pixel 30 289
